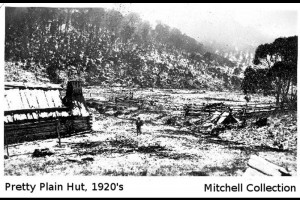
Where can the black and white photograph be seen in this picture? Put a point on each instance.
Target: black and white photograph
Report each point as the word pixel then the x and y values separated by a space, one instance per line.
pixel 148 89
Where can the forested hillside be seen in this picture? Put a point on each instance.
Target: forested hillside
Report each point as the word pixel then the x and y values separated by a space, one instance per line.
pixel 105 47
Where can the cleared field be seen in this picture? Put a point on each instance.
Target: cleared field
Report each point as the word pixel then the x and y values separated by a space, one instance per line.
pixel 114 149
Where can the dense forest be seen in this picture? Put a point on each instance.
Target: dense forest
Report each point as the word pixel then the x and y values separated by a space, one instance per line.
pixel 105 47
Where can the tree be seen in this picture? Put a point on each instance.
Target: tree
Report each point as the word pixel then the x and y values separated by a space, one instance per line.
pixel 162 32
pixel 280 74
pixel 176 38
pixel 236 82
pixel 113 20
pixel 208 58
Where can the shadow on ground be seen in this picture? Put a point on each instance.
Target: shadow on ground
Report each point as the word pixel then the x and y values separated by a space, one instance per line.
pixel 170 133
pixel 242 146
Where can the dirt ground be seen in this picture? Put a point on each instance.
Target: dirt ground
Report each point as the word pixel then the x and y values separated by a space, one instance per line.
pixel 113 148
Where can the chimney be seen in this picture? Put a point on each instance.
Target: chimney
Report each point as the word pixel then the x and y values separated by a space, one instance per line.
pixel 74 99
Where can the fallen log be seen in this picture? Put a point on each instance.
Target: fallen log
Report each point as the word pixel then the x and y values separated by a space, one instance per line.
pixel 262 167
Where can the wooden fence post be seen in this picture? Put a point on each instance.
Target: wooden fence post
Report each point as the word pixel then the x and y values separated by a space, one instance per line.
pixel 7 150
pixel 58 131
pixel 6 144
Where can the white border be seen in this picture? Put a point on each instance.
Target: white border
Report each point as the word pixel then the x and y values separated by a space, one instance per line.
pixel 142 186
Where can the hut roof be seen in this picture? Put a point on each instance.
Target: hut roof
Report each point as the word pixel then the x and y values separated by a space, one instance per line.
pixel 21 85
pixel 25 101
pixel 31 96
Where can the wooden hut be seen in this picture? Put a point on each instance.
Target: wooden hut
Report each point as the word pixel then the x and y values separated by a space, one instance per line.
pixel 38 111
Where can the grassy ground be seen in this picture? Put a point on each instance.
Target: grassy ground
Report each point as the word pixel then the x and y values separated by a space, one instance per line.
pixel 114 149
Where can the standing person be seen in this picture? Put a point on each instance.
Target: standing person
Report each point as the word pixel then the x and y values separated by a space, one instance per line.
pixel 187 110
pixel 139 123
pixel 247 98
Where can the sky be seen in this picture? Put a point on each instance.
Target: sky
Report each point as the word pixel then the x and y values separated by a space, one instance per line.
pixel 220 22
